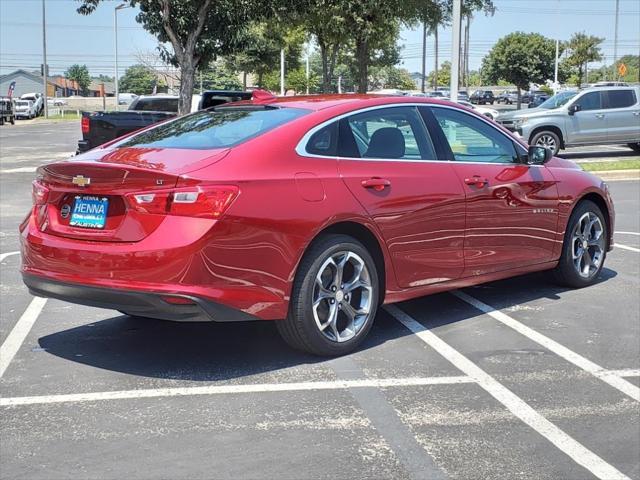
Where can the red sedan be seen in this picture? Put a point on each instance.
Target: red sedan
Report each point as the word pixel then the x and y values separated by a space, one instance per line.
pixel 312 211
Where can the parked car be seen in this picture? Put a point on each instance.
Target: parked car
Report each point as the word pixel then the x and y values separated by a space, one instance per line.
pixel 7 113
pixel 25 109
pixel 481 97
pixel 610 84
pixel 486 111
pixel 56 102
pixel 102 127
pixel 308 211
pixel 594 116
pixel 126 98
pixel 38 102
pixel 538 100
pixel 508 97
pixel 528 96
pixel 463 95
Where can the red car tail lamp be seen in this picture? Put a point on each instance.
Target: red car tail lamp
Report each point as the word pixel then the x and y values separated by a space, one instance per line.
pixel 202 201
pixel 85 125
pixel 39 193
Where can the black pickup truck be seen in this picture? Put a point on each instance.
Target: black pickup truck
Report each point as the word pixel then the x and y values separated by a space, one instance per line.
pixel 102 127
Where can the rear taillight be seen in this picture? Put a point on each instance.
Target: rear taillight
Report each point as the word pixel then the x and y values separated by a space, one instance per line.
pixel 85 124
pixel 201 201
pixel 39 193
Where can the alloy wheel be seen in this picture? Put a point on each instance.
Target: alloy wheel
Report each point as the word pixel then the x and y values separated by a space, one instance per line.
pixel 588 245
pixel 547 141
pixel 342 296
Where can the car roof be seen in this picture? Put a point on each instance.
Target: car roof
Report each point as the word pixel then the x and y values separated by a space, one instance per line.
pixel 617 87
pixel 342 101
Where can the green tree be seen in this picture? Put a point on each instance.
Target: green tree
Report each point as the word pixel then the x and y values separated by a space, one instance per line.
pixel 198 31
pixel 443 75
pixel 218 76
pixel 582 49
pixel 391 77
pixel 520 59
pixel 79 73
pixel 138 79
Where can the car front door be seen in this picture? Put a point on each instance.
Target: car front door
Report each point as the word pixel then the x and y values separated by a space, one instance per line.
pixel 512 207
pixel 623 115
pixel 389 163
pixel 589 123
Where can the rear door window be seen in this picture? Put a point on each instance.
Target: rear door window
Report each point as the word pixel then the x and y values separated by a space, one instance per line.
pixel 390 133
pixel 215 128
pixel 157 104
pixel 621 98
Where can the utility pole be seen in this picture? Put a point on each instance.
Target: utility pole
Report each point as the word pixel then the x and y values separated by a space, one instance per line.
pixel 115 40
pixel 307 70
pixel 455 49
pixel 424 55
pixel 615 42
pixel 282 72
pixel 555 69
pixel 435 65
pixel 45 70
pixel 466 51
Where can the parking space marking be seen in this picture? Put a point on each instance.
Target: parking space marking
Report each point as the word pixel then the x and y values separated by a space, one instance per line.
pixel 20 331
pixel 518 407
pixel 626 372
pixel 626 247
pixel 6 255
pixel 229 389
pixel 563 352
pixel 627 233
pixel 19 170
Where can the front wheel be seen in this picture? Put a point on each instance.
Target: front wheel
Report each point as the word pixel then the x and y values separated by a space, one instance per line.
pixel 548 139
pixel 334 298
pixel 584 248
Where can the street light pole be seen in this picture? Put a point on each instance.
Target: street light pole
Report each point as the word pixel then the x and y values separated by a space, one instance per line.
pixel 455 49
pixel 115 40
pixel 44 65
pixel 615 42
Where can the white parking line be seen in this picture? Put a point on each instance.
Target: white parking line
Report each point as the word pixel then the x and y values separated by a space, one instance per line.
pixel 518 407
pixel 229 389
pixel 626 372
pixel 19 170
pixel 627 233
pixel 578 360
pixel 8 254
pixel 626 247
pixel 20 331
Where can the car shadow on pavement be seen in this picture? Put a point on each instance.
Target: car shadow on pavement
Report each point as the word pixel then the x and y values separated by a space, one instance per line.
pixel 226 351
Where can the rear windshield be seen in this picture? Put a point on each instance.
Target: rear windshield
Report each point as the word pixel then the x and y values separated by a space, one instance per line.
pixel 215 128
pixel 158 104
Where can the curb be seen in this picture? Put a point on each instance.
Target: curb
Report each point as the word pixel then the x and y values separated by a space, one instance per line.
pixel 612 175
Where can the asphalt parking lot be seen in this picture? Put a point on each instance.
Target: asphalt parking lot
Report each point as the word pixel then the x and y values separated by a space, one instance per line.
pixel 513 379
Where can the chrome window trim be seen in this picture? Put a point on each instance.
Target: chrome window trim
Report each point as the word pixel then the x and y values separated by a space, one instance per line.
pixel 301 147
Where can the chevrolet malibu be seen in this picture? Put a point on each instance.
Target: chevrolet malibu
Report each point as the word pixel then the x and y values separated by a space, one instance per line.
pixel 310 211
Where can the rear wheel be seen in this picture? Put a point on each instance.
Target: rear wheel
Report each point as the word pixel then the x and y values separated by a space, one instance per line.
pixel 548 139
pixel 634 146
pixel 584 248
pixel 334 298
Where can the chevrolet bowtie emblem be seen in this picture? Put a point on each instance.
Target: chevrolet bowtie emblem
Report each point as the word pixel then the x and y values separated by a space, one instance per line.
pixel 81 181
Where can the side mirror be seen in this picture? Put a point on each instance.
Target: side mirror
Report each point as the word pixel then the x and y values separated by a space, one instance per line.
pixel 574 108
pixel 538 155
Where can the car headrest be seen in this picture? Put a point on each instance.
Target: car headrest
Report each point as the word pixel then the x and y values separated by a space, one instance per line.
pixel 387 142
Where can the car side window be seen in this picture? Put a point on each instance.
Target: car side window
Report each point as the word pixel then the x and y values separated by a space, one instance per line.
pixel 324 141
pixel 621 98
pixel 390 133
pixel 472 139
pixel 590 101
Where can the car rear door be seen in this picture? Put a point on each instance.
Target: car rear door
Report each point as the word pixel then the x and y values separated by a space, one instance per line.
pixel 391 166
pixel 589 123
pixel 512 208
pixel 623 115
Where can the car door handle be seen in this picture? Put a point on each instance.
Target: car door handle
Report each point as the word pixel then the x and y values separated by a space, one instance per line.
pixel 378 184
pixel 600 115
pixel 477 181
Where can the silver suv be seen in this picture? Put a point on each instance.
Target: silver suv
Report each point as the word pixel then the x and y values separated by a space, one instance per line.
pixel 593 116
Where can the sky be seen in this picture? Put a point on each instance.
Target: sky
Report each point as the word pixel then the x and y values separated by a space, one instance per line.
pixel 73 38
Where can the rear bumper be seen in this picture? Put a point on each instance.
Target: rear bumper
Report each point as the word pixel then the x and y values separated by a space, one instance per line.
pixel 144 304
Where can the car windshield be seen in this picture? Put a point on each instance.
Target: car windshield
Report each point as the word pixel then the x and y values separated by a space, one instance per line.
pixel 23 103
pixel 557 100
pixel 214 128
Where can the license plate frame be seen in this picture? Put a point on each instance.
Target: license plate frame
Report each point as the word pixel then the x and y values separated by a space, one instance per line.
pixel 89 211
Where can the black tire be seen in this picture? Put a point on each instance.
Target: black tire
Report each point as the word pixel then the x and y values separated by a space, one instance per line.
pixel 547 138
pixel 566 272
pixel 300 329
pixel 634 146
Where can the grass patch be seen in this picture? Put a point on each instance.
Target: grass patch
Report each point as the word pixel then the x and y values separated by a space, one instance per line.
pixel 626 164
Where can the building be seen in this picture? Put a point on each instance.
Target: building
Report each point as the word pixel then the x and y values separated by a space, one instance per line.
pixel 101 89
pixel 29 82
